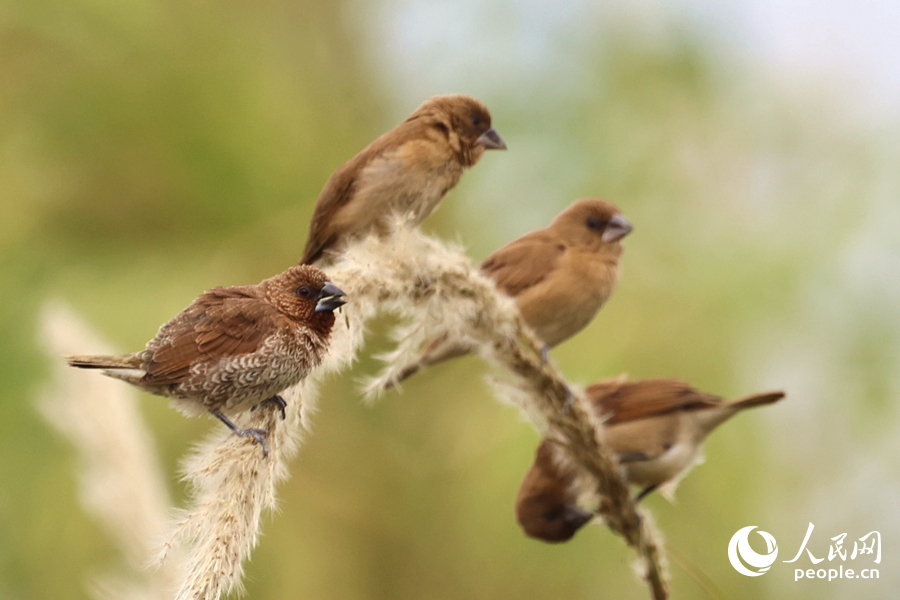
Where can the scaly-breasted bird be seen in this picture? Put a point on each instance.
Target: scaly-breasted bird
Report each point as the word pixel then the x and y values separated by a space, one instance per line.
pixel 560 276
pixel 405 171
pixel 655 427
pixel 234 347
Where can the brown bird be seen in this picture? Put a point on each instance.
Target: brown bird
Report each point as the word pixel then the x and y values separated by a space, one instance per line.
pixel 405 171
pixel 654 427
pixel 234 347
pixel 560 276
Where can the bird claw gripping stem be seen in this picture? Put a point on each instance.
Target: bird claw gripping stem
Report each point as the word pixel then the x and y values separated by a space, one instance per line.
pixel 570 398
pixel 276 402
pixel 257 436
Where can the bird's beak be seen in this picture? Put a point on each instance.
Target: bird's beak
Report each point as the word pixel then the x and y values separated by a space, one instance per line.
pixel 617 228
pixel 576 517
pixel 491 140
pixel 330 298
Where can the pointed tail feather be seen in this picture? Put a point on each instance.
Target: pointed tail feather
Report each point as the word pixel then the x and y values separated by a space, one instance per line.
pixel 126 361
pixel 127 367
pixel 758 400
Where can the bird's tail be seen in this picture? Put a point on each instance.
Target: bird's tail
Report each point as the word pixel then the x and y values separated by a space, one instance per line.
pixel 125 361
pixel 757 400
pixel 711 419
pixel 127 367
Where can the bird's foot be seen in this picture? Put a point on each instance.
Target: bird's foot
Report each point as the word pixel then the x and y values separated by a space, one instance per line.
pixel 278 403
pixel 257 436
pixel 570 398
pixel 545 354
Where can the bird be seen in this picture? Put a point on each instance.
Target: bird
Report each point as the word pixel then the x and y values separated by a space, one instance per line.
pixel 559 276
pixel 655 429
pixel 405 171
pixel 234 347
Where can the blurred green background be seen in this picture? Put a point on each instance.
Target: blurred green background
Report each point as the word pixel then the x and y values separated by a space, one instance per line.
pixel 150 150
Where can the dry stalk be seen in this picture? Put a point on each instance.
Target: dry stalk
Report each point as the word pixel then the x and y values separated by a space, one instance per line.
pixel 121 483
pixel 438 292
pixel 563 414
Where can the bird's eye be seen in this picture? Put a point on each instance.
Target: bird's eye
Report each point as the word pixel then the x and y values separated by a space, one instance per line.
pixel 476 120
pixel 595 223
pixel 553 515
pixel 304 291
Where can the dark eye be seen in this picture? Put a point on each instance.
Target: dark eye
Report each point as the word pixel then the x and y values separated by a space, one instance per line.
pixel 553 515
pixel 304 291
pixel 595 223
pixel 476 120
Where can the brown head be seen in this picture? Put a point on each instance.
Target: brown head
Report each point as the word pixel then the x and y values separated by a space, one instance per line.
pixel 304 294
pixel 592 222
pixel 545 506
pixel 465 121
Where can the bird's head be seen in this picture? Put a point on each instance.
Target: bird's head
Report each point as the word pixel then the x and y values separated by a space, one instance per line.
pixel 545 506
pixel 592 222
pixel 465 121
pixel 545 518
pixel 304 294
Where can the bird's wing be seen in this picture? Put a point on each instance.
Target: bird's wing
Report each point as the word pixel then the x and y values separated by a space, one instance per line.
pixel 621 402
pixel 221 322
pixel 337 192
pixel 340 188
pixel 523 263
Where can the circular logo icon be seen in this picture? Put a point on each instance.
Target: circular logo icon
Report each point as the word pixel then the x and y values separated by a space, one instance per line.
pixel 740 552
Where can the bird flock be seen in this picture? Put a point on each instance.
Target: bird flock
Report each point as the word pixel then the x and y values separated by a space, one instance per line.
pixel 238 348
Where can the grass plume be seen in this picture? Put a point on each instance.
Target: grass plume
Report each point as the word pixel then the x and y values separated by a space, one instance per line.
pixel 435 291
pixel 121 483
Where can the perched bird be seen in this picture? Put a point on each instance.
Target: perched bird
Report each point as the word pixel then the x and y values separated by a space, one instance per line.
pixel 560 276
pixel 655 427
pixel 234 347
pixel 405 171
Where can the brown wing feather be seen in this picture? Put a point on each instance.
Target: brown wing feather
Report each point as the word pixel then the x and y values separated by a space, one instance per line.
pixel 221 322
pixel 337 192
pixel 340 187
pixel 633 400
pixel 523 263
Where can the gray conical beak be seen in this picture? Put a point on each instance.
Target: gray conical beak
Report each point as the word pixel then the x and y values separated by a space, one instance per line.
pixel 575 517
pixel 330 298
pixel 491 140
pixel 617 228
